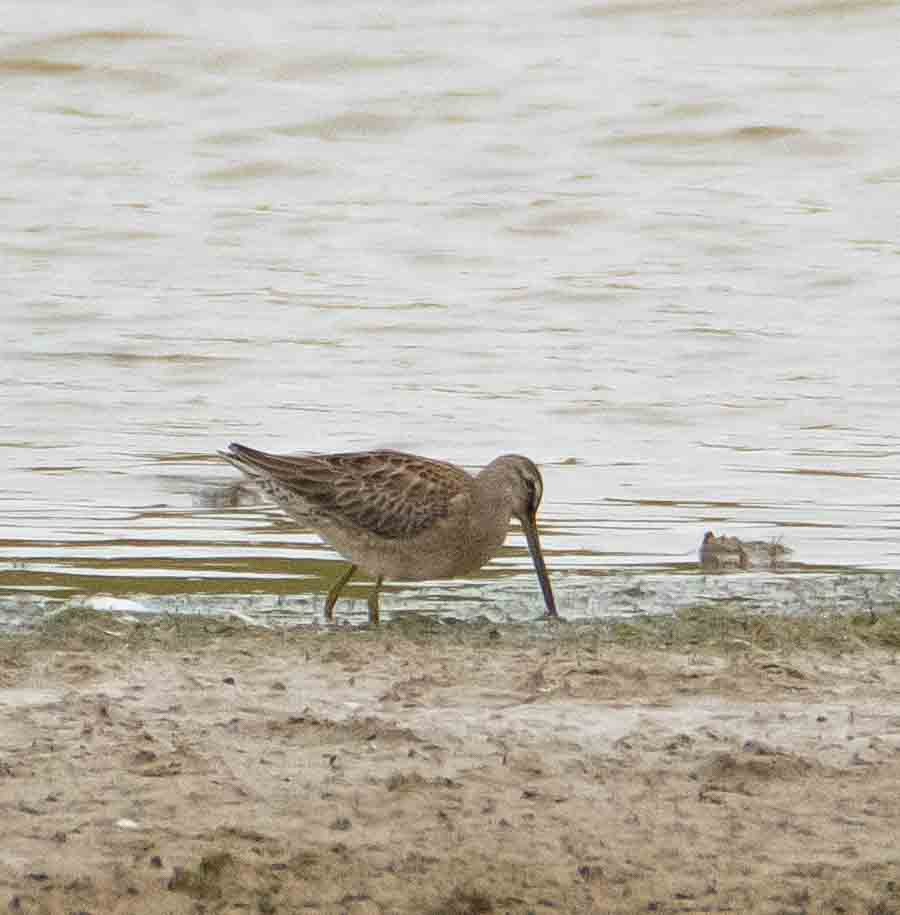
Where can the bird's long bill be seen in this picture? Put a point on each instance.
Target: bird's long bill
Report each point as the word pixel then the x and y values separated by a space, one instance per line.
pixel 529 525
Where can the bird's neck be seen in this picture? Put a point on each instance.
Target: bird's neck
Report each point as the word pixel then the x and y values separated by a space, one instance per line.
pixel 493 493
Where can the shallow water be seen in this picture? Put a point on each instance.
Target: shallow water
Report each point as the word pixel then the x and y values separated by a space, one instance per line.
pixel 652 246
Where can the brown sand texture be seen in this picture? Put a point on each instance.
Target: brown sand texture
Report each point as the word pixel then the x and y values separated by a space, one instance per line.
pixel 165 767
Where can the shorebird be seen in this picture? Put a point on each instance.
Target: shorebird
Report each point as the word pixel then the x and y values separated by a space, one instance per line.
pixel 719 553
pixel 400 516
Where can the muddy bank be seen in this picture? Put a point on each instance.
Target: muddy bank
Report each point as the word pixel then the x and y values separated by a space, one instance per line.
pixel 187 766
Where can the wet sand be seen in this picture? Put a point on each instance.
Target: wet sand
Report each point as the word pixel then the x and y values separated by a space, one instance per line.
pixel 205 766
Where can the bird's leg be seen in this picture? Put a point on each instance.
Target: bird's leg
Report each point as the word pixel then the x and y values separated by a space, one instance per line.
pixel 335 591
pixel 374 611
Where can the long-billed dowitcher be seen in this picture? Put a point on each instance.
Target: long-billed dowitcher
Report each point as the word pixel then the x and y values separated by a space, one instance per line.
pixel 400 516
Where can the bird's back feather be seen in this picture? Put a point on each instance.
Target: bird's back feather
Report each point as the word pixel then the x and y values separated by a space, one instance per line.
pixel 388 493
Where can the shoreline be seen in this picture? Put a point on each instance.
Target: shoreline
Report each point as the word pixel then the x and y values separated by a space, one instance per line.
pixel 706 762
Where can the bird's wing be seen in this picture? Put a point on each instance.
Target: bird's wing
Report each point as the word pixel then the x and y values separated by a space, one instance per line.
pixel 389 493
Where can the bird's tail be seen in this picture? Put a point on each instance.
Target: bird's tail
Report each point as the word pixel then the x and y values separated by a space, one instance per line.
pixel 262 464
pixel 249 460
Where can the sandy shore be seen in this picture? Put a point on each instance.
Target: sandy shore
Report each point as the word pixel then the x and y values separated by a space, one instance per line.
pixel 187 767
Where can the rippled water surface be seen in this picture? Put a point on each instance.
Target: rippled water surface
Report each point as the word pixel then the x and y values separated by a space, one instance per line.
pixel 653 246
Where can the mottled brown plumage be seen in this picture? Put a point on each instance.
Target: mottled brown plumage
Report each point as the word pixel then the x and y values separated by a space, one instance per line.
pixel 402 516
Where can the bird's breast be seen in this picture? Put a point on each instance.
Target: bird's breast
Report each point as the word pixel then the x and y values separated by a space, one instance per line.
pixel 455 546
